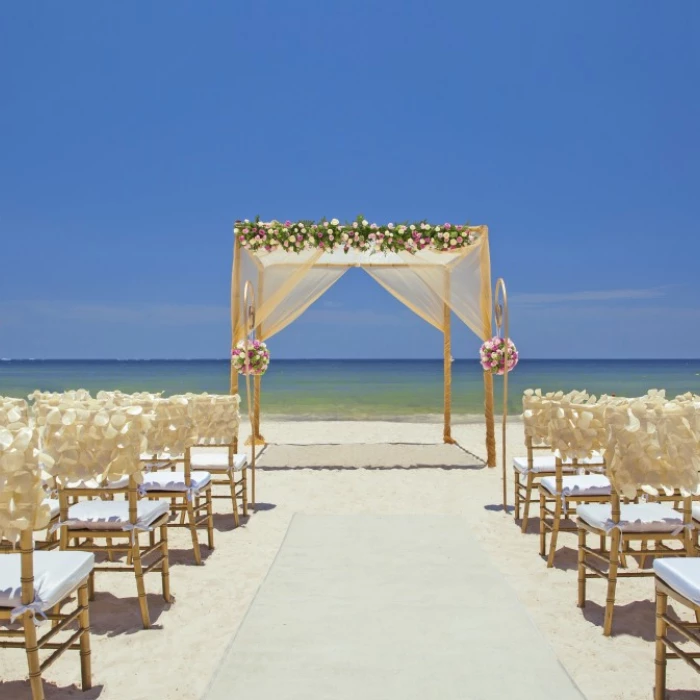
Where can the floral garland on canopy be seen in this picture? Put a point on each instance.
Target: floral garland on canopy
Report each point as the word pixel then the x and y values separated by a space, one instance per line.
pixel 359 235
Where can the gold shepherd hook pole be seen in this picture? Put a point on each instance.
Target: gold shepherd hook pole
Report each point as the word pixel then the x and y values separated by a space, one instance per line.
pixel 500 313
pixel 249 319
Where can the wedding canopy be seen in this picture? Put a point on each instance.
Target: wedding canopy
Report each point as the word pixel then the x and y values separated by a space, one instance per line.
pixel 431 280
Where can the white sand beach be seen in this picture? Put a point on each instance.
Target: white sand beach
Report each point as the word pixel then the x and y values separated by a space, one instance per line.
pixel 351 468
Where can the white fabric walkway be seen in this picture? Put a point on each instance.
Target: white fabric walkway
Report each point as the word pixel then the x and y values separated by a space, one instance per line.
pixel 387 608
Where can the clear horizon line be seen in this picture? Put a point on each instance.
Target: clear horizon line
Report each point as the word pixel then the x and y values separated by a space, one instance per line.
pixel 342 359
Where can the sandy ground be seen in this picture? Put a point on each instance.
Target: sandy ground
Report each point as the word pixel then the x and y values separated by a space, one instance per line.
pixel 346 468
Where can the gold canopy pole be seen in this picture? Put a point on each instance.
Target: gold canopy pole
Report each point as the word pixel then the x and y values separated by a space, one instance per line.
pixel 500 310
pixel 259 439
pixel 447 362
pixel 251 396
pixel 235 307
pixel 485 303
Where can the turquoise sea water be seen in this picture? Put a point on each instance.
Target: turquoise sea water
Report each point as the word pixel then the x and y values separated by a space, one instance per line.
pixel 354 389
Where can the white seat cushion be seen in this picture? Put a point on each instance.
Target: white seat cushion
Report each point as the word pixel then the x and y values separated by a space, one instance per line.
pixel 216 460
pixel 174 481
pixel 696 511
pixel 579 485
pixel 113 515
pixel 92 484
pixel 634 517
pixel 540 463
pixel 55 506
pixel 56 575
pixel 548 463
pixel 682 574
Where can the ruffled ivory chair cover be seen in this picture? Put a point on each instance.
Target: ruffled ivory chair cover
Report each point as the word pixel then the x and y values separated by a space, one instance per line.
pixel 13 411
pixel 92 441
pixel 22 478
pixel 654 445
pixel 215 417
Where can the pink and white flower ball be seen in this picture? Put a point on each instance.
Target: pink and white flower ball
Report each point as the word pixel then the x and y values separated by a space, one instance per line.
pixel 493 355
pixel 256 361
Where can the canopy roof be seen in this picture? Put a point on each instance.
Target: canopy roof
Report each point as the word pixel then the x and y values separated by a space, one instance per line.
pixel 430 282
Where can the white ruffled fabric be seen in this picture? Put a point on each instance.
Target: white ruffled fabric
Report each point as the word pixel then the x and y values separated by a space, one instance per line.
pixel 215 417
pixel 22 478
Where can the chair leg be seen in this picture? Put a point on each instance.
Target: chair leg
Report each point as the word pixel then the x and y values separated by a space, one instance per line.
pixel 644 553
pixel 30 642
pixel 84 620
pixel 140 583
pixel 516 494
pixel 234 500
pixel 612 582
pixel 528 496
pixel 555 532
pixel 91 586
pixel 543 533
pixel 244 489
pixel 660 660
pixel 210 519
pixel 193 532
pixel 165 564
pixel 581 567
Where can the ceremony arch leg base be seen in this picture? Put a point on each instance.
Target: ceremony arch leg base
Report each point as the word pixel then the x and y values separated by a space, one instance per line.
pixel 259 440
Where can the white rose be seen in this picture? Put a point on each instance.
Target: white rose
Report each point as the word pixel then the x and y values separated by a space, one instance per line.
pixel 291 239
pixel 365 222
pixel 412 227
pixel 390 225
pixel 245 221
pixel 335 222
pixel 453 241
pixel 235 230
pixel 378 247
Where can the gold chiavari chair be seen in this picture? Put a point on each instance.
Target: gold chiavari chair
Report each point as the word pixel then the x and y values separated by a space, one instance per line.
pixel 577 432
pixel 678 579
pixel 96 449
pixel 649 448
pixel 528 471
pixel 34 585
pixel 216 421
pixel 189 492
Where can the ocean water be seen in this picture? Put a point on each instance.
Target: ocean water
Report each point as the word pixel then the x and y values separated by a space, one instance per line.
pixel 355 389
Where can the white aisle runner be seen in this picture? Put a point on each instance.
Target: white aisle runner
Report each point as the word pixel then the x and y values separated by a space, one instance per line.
pixel 368 607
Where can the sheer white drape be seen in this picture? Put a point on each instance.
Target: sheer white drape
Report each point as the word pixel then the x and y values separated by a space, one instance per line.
pixel 286 284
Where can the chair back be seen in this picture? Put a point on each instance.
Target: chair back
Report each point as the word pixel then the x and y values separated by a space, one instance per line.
pixel 215 418
pixel 13 411
pixel 91 442
pixel 653 447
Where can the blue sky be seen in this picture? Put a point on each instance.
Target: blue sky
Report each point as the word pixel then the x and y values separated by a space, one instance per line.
pixel 133 134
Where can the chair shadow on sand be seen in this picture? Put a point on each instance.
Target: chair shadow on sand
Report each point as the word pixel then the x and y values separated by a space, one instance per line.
pixel 112 616
pixel 378 456
pixel 19 689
